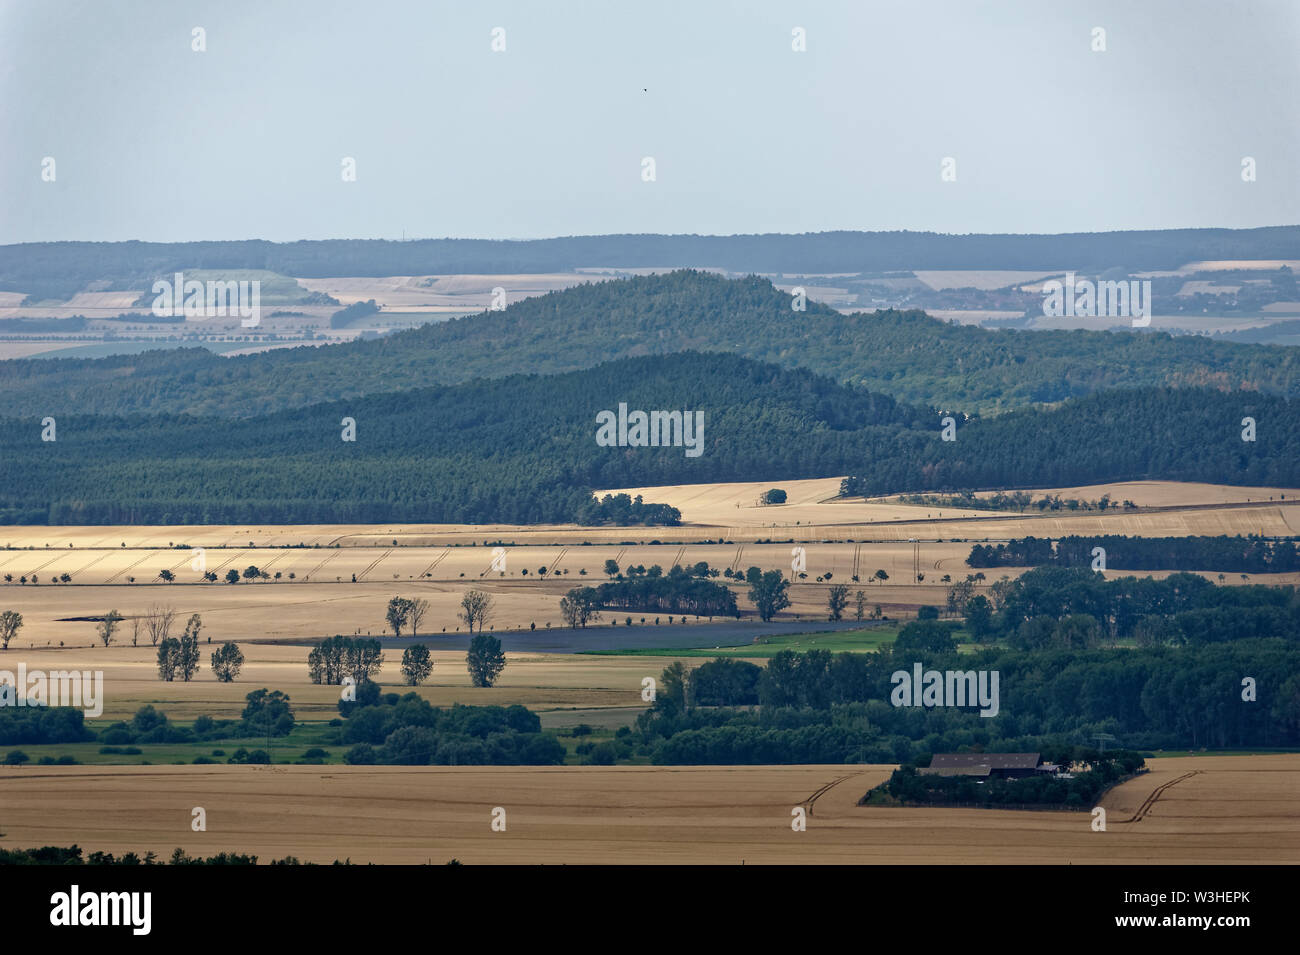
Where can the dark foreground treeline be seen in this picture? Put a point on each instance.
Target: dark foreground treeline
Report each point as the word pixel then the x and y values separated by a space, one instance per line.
pixel 73 855
pixel 524 450
pixel 816 707
pixel 1249 555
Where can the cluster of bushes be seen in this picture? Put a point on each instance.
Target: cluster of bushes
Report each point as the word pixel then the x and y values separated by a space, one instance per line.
pixel 908 786
pixel 266 712
pixel 725 682
pixel 624 510
pixel 678 591
pixel 148 725
pixel 351 313
pixel 337 657
pixel 43 724
pixel 607 752
pixel 16 757
pixel 405 729
pixel 1010 501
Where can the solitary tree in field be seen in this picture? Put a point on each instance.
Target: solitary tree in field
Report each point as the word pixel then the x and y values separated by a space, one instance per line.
pixel 959 595
pixel 475 609
pixel 187 661
pixel 363 659
pixel 768 591
pixel 979 618
pixel 232 576
pixel 837 600
pixel 158 621
pixel 399 609
pixel 107 626
pixel 169 652
pixel 880 576
pixel 861 608
pixel 416 610
pixel 166 576
pixel 579 606
pixel 226 662
pixel 674 688
pixel 485 660
pixel 11 622
pixel 611 568
pixel 417 664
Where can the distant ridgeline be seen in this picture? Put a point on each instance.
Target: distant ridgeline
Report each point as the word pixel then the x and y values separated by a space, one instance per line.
pixel 64 268
pixel 915 358
pixel 524 449
pixel 1250 555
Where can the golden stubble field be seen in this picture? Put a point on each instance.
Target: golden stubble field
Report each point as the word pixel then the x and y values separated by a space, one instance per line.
pixel 1232 810
pixel 709 511
pixel 299 609
pixel 118 567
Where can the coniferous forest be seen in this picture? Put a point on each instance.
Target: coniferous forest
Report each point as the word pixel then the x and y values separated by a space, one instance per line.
pixel 523 449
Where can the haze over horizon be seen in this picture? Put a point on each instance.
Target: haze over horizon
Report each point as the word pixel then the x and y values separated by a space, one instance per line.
pixel 748 136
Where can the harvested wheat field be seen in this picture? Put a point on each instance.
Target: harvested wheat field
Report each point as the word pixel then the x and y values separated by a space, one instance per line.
pixel 726 511
pixel 322 597
pixel 1239 809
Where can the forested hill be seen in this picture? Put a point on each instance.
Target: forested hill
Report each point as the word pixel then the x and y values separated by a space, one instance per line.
pixel 524 449
pixel 913 357
pixel 60 269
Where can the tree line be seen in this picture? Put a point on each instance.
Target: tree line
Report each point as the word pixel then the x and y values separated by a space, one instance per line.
pixel 817 706
pixel 1251 555
pixel 1065 606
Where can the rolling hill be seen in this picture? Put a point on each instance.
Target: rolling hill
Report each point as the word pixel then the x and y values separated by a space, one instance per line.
pixel 917 359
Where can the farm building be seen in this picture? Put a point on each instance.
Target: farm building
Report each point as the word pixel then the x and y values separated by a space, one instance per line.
pixel 988 765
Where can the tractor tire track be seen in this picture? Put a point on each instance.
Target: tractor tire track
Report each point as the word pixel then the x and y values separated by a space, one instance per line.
pixel 811 800
pixel 1156 793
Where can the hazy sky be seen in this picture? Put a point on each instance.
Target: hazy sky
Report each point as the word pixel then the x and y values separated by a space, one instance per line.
pixel 152 140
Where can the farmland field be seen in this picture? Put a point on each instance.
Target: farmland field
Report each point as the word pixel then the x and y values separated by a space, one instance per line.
pixel 119 567
pixel 1234 809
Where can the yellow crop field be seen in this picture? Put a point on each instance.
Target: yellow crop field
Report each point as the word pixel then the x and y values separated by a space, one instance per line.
pixel 326 579
pixel 1236 809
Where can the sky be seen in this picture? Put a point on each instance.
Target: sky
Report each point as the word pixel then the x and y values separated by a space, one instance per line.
pixel 153 140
